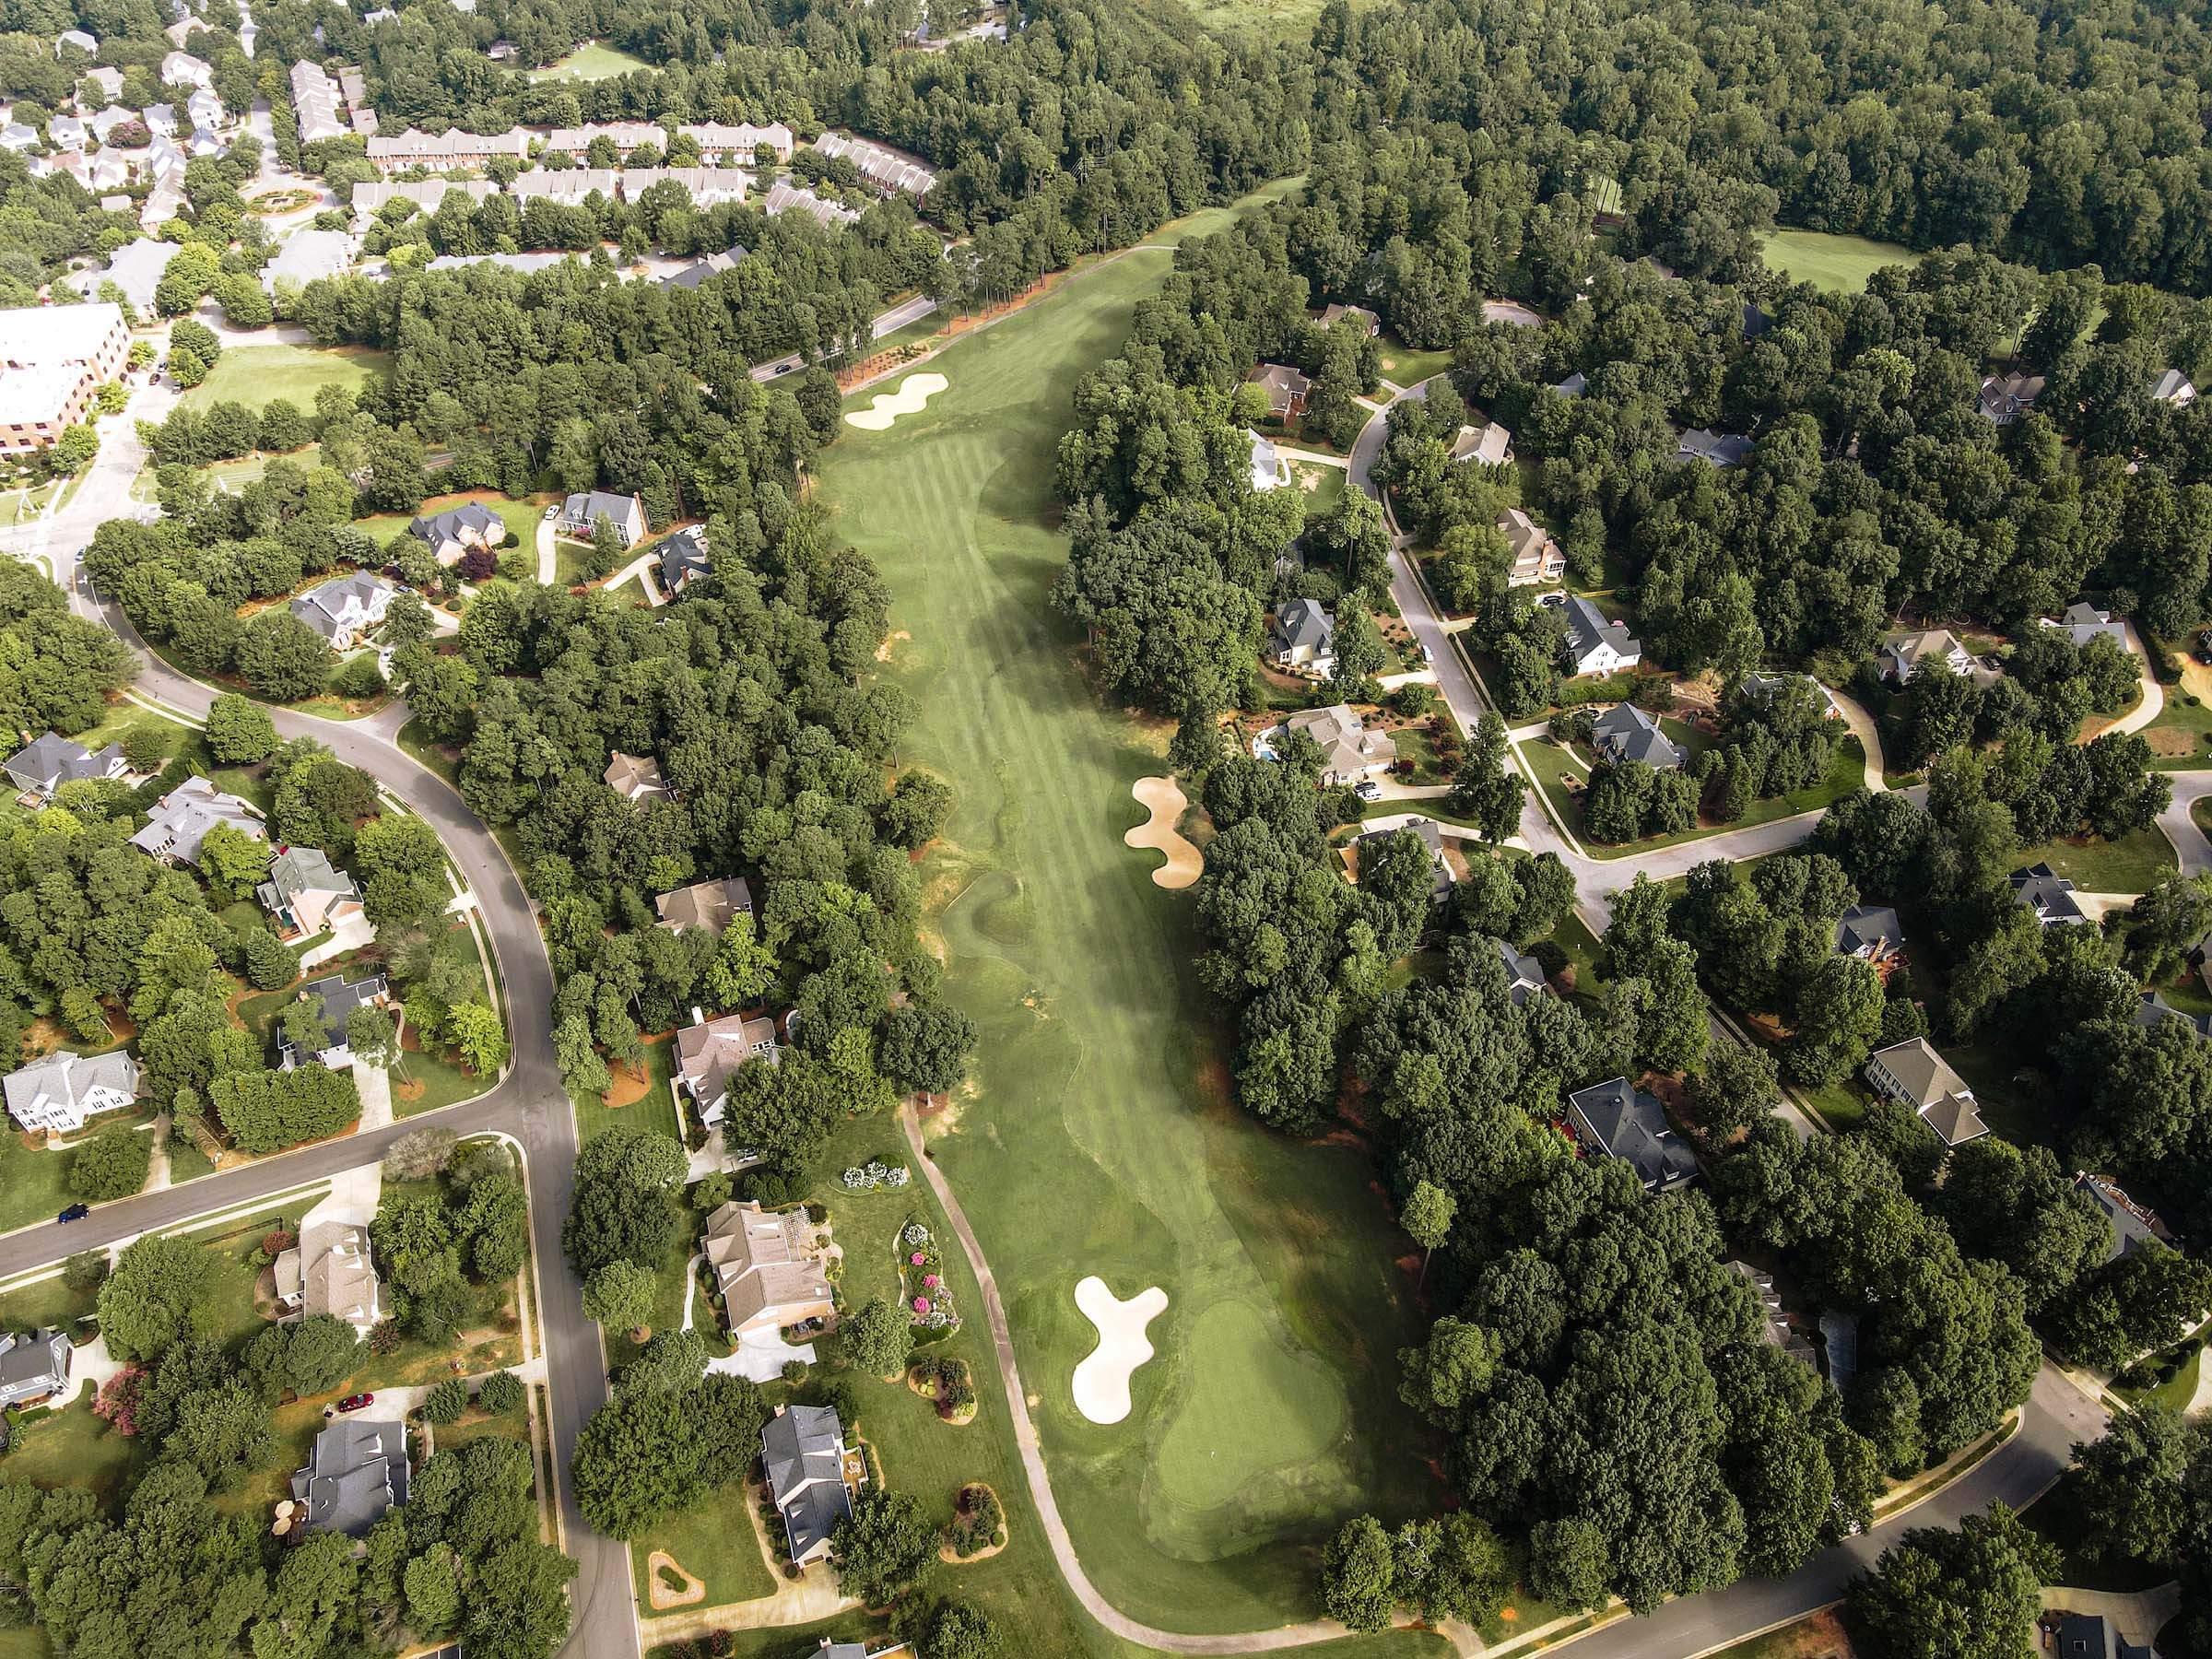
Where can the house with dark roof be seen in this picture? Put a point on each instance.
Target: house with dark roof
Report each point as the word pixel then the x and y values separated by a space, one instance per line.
pixel 582 511
pixel 2152 1010
pixel 1537 561
pixel 1870 931
pixel 456 531
pixel 1715 449
pixel 699 270
pixel 2004 398
pixel 330 1271
pixel 2133 1226
pixel 1913 1074
pixel 1285 388
pixel 683 559
pixel 2092 1636
pixel 708 904
pixel 1525 976
pixel 1840 1348
pixel 1350 751
pixel 1432 835
pixel 1303 639
pixel 1594 644
pixel 2047 895
pixel 1776 1329
pixel 1618 1120
pixel 803 1458
pixel 1763 688
pixel 40 768
pixel 1574 385
pixel 355 1473
pixel 1625 732
pixel 33 1366
pixel 306 893
pixel 335 998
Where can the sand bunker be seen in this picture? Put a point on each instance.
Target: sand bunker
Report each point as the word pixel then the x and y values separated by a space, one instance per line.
pixel 887 406
pixel 657 1587
pixel 1166 803
pixel 1101 1382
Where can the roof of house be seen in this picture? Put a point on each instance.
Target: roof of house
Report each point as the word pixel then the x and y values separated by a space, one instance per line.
pixel 327 607
pixel 684 556
pixel 32 1365
pixel 1939 1094
pixel 1524 538
pixel 2133 1226
pixel 413 145
pixel 1631 1124
pixel 543 259
pixel 335 998
pixel 439 527
pixel 2003 396
pixel 40 395
pixel 52 760
pixel 1777 1331
pixel 338 1277
pixel 2092 1636
pixel 1868 927
pixel 309 255
pixel 2047 893
pixel 708 1051
pixel 1489 443
pixel 1715 449
pixel 73 333
pixel 2084 622
pixel 1266 462
pixel 764 1261
pixel 1764 687
pixel 1587 629
pixel 1906 651
pixel 1334 315
pixel 1347 744
pixel 297 870
pixel 1625 732
pixel 2172 386
pixel 783 197
pixel 708 904
pixel 1574 385
pixel 565 184
pixel 880 164
pixel 634 775
pixel 714 264
pixel 1525 976
pixel 355 1473
pixel 802 1452
pixel 371 196
pixel 589 506
pixel 1304 625
pixel 1839 1343
pixel 180 820
pixel 1281 382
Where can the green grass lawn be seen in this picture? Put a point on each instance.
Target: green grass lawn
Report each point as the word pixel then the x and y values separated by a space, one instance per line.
pixel 71 1448
pixel 716 1544
pixel 1321 488
pixel 520 517
pixel 1552 768
pixel 593 62
pixel 259 375
pixel 34 1181
pixel 1403 366
pixel 1277 19
pixel 1840 265
pixel 2182 735
pixel 48 1302
pixel 1097 1137
pixel 2134 864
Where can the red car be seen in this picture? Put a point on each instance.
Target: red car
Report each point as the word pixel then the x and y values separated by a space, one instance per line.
pixel 354 1401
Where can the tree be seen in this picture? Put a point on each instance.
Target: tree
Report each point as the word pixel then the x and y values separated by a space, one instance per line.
pixel 1737 1086
pixel 884 1548
pixel 1359 1576
pixel 447 1400
pixel 744 969
pixel 232 861
pixel 620 1296
pixel 112 1164
pixel 876 1339
pixel 1427 1218
pixel 1966 1595
pixel 926 1045
pixel 372 1035
pixel 476 1030
pixel 1484 788
pixel 282 657
pixel 156 1294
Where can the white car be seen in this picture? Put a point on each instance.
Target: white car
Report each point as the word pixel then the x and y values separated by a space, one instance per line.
pixel 1367 789
pixel 551 512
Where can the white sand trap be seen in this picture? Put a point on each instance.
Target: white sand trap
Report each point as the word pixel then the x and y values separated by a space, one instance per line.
pixel 1103 1379
pixel 887 406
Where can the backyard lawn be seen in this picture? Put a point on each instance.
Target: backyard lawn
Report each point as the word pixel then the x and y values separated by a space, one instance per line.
pixel 520 517
pixel 1552 768
pixel 258 375
pixel 1840 265
pixel 1270 1414
pixel 2134 864
pixel 593 60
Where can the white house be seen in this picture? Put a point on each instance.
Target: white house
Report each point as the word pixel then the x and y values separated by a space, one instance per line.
pixel 59 1091
pixel 1594 645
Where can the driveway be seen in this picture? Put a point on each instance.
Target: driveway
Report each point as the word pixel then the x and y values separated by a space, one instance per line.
pixel 548 552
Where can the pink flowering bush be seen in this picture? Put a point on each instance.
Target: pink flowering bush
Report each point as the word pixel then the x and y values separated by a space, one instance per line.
pixel 921 1304
pixel 917 1258
pixel 929 1281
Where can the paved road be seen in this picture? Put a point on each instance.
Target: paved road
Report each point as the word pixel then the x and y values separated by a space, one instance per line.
pixel 2190 843
pixel 891 321
pixel 529 1103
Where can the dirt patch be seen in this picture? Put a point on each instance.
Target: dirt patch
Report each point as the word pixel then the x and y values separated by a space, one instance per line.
pixel 883 652
pixel 668 1584
pixel 625 1090
pixel 2171 742
pixel 411 1088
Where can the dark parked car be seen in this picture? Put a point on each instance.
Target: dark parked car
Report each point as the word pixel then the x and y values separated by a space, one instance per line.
pixel 2204 646
pixel 75 1212
pixel 354 1401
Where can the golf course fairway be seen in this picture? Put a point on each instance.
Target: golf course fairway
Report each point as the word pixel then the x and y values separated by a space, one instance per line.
pixel 1097 1136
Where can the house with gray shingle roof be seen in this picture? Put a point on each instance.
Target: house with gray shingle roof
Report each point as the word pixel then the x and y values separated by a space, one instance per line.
pixel 1303 639
pixel 1525 976
pixel 450 535
pixel 1626 733
pixel 58 1092
pixel 1286 389
pixel 705 904
pixel 803 1454
pixel 1913 1074
pixel 684 559
pixel 180 820
pixel 1594 644
pixel 2084 622
pixel 355 1473
pixel 305 892
pixel 1715 449
pixel 1616 1119
pixel 581 512
pixel 2173 388
pixel 33 1366
pixel 1898 658
pixel 2046 894
pixel 1870 931
pixel 345 607
pixel 42 767
pixel 2133 1226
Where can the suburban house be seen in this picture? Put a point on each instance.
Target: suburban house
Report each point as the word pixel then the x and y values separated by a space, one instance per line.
pixel 2174 387
pixel 636 778
pixel 372 196
pixel 452 533
pixel 1574 385
pixel 135 269
pixel 2092 1636
pixel 1489 443
pixel 355 1473
pixel 2152 1010
pixel 318 104
pixel 182 819
pixel 2084 622
pixel 882 168
pixel 400 151
pixel 1870 931
pixel 1303 639
pixel 736 141
pixel 1898 658
pixel 803 1454
pixel 1594 646
pixel 1349 752
pixel 684 559
pixel 1763 688
pixel 32 1367
pixel 40 768
pixel 584 510
pixel 1270 470
pixel 308 256
pixel 1432 837
pixel 1840 1346
pixel 2047 894
pixel 335 998
pixel 1287 389
pixel 767 1267
pixel 707 186
pixel 1715 449
pixel 1776 1329
pixel 2006 397
pixel 1358 315
pixel 1913 1074
pixel 329 1271
pixel 1525 976
pixel 569 186
pixel 1618 1119
pixel 181 69
pixel 58 1092
pixel 345 607
pixel 1537 561
pixel 697 271
pixel 53 358
pixel 708 1051
pixel 784 197
pixel 708 904
pixel 306 895
pixel 2133 1226
pixel 1625 732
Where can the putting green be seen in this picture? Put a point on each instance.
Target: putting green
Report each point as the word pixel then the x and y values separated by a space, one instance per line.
pixel 1095 1136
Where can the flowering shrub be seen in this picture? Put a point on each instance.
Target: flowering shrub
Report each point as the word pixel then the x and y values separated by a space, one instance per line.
pixel 925 1280
pixel 118 1403
pixel 921 1304
pixel 916 1233
pixel 868 1177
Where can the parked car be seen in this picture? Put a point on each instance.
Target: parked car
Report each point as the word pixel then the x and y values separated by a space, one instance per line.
pixel 2204 646
pixel 1367 789
pixel 75 1212
pixel 1428 656
pixel 1552 601
pixel 354 1401
pixel 552 511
